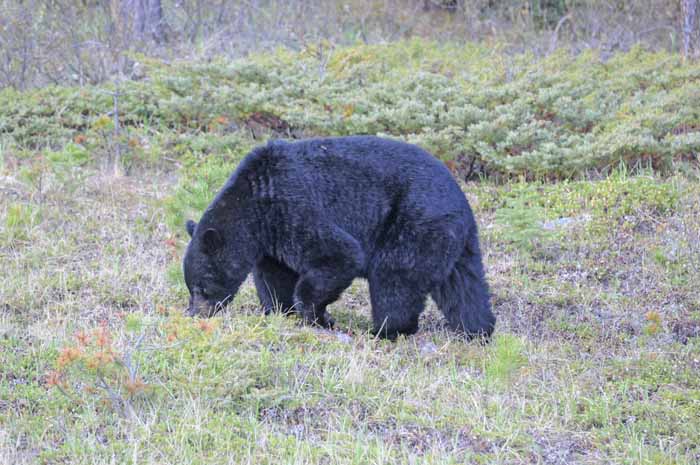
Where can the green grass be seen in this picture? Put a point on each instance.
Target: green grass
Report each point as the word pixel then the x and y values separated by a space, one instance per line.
pixel 594 283
pixel 572 375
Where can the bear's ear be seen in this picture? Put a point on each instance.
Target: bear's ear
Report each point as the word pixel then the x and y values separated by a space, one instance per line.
pixel 212 241
pixel 190 227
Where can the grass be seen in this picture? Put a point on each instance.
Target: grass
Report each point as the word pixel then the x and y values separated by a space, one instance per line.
pixel 594 281
pixel 595 359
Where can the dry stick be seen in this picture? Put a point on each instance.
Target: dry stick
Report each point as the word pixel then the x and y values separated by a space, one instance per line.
pixel 117 145
pixel 116 400
pixel 116 162
pixel 323 59
pixel 121 404
pixel 133 369
pixel 555 34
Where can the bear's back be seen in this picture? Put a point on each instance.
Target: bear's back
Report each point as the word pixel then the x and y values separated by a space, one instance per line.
pixel 380 156
pixel 357 182
pixel 352 165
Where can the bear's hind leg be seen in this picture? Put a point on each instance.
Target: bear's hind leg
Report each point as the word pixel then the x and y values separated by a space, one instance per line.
pixel 396 304
pixel 275 285
pixel 464 297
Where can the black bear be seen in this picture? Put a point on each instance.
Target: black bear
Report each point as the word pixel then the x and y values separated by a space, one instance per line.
pixel 308 217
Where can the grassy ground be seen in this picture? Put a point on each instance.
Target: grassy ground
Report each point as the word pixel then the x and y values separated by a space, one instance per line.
pixel 596 357
pixel 595 281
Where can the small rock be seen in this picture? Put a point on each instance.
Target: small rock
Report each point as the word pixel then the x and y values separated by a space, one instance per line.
pixel 428 348
pixel 564 222
pixel 684 330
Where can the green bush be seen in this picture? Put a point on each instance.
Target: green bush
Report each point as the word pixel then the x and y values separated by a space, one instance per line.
pixel 483 112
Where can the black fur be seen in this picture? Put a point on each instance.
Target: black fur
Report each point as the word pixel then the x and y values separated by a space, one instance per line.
pixel 309 217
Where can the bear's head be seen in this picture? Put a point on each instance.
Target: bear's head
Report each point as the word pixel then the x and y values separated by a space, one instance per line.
pixel 206 274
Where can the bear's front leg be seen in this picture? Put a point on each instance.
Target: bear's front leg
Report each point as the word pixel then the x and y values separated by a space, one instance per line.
pixel 332 258
pixel 314 292
pixel 275 283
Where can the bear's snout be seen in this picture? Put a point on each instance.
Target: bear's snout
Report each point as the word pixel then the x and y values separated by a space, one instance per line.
pixel 199 306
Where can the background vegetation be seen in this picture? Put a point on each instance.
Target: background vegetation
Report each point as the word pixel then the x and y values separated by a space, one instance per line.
pixel 582 169
pixel 87 41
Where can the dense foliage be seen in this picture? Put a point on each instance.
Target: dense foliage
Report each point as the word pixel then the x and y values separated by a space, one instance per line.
pixel 481 111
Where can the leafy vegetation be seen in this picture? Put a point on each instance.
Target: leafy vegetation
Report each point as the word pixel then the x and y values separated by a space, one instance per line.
pixel 594 277
pixel 87 42
pixel 557 117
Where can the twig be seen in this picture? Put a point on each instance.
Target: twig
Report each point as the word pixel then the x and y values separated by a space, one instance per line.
pixel 555 34
pixel 117 146
pixel 122 405
pixel 117 401
pixel 133 370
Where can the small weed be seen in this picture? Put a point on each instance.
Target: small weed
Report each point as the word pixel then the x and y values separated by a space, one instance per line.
pixel 653 323
pixel 20 219
pixel 93 369
pixel 507 356
pixel 522 224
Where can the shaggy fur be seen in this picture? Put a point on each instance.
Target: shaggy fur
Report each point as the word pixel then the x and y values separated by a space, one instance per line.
pixel 308 217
